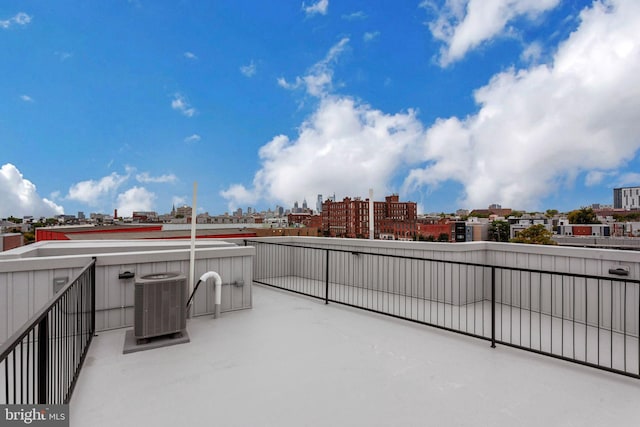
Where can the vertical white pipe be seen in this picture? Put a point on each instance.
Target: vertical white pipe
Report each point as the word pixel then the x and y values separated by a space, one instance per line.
pixel 192 257
pixel 371 219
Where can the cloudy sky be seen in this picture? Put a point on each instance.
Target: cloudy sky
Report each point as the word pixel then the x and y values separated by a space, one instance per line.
pixel 532 104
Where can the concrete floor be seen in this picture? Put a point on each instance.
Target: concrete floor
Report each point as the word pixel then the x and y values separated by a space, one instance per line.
pixel 292 361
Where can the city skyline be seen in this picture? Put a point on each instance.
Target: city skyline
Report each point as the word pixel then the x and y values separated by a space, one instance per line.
pixel 279 210
pixel 453 105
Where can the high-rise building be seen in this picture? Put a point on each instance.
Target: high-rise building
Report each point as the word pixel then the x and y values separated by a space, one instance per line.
pixel 626 198
pixel 319 203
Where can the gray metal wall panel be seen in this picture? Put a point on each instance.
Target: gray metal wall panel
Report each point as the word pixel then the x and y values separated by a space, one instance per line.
pixel 22 293
pixel 27 284
pixel 573 299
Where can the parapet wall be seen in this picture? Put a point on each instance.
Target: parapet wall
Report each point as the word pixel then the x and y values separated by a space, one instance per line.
pixel 29 279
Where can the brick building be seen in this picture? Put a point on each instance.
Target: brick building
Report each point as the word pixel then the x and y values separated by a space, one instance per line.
pixel 305 220
pixel 434 230
pixel 145 216
pixel 10 241
pixel 350 218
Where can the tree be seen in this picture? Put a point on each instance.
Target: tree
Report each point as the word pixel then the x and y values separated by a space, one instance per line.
pixel 499 231
pixel 583 216
pixel 443 237
pixel 535 235
pixel 478 215
pixel 628 216
pixel 550 213
pixel 29 237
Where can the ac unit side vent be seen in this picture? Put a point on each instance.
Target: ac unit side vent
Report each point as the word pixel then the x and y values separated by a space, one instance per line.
pixel 159 301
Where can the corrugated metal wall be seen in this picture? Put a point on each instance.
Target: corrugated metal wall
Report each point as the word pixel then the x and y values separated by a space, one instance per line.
pixel 114 297
pixel 27 284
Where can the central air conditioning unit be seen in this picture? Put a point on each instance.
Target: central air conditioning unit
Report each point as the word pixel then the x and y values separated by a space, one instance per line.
pixel 160 305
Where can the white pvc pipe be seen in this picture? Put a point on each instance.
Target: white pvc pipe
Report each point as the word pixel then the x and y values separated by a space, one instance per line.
pixel 192 252
pixel 217 281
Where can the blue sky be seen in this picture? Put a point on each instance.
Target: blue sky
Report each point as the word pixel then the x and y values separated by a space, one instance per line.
pixel 532 104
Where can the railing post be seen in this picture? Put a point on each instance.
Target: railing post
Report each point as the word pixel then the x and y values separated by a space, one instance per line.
pixel 493 307
pixel 326 277
pixel 43 359
pixel 93 296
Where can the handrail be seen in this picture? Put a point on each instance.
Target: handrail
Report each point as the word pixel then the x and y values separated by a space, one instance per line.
pixel 592 320
pixel 43 358
pixel 466 263
pixel 7 347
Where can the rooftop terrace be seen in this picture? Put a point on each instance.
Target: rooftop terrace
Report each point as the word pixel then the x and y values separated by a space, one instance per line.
pixel 278 358
pixel 293 361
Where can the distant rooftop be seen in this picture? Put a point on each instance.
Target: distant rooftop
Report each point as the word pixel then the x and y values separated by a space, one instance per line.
pixel 293 361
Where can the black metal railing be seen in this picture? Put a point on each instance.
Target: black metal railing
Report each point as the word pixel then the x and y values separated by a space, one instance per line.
pixel 588 319
pixel 41 362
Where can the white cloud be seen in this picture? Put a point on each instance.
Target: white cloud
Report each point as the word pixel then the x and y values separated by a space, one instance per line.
pixel 282 82
pixel 344 147
pixel 630 179
pixel 106 193
pixel 537 129
pixel 179 200
pixel 20 197
pixel 145 177
pixel 63 55
pixel 238 195
pixel 319 7
pixel 193 138
pixel 190 55
pixel 367 37
pixel 598 177
pixel 319 78
pixel 135 199
pixel 20 18
pixel 94 192
pixel 26 98
pixel 248 70
pixel 463 25
pixel 595 177
pixel 532 53
pixel 180 103
pixel 354 16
